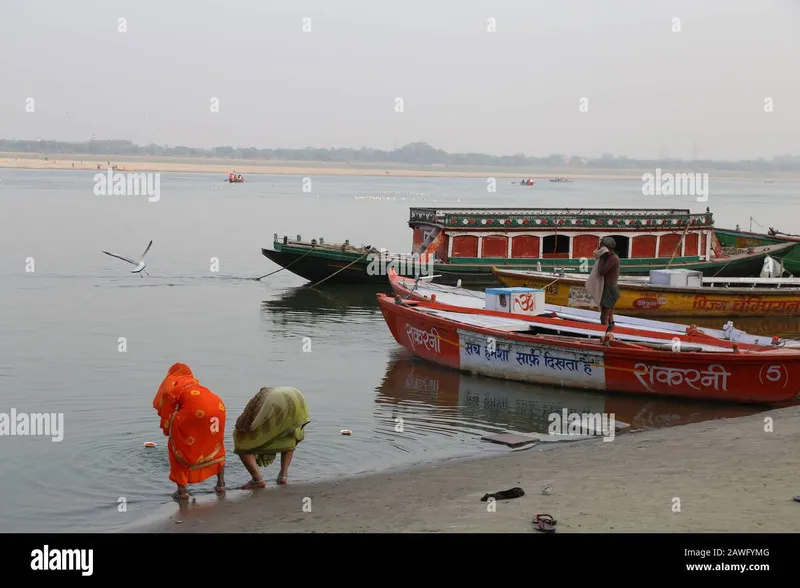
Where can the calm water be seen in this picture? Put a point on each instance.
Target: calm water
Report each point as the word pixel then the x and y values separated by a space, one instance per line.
pixel 60 327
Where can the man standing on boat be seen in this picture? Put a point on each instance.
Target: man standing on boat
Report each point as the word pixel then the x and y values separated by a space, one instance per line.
pixel 609 271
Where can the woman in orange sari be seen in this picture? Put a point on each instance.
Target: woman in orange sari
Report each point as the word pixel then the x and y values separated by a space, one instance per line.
pixel 193 418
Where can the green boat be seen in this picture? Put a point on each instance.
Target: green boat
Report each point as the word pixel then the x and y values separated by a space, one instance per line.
pixel 463 244
pixel 736 239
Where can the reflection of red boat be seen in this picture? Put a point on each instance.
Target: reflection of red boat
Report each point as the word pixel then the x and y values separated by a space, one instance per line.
pixel 408 379
pixel 542 350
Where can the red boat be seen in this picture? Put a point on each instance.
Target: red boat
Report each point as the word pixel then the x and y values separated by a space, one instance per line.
pixel 543 350
pixel 634 329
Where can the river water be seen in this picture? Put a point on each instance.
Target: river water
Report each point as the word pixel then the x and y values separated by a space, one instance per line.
pixel 82 336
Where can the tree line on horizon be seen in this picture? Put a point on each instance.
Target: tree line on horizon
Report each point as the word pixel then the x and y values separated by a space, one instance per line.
pixel 418 153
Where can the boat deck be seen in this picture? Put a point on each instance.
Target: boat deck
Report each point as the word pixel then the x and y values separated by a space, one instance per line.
pixel 463 297
pixel 532 327
pixel 739 283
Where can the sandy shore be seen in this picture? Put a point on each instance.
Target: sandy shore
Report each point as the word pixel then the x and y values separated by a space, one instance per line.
pixel 715 476
pixel 223 167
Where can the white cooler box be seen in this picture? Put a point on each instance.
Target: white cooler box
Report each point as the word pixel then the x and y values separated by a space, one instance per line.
pixel 677 277
pixel 516 300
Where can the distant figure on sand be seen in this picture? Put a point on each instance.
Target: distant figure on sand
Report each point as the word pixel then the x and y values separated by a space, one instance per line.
pixel 193 418
pixel 272 422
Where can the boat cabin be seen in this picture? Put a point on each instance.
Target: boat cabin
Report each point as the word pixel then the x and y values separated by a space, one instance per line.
pixel 502 236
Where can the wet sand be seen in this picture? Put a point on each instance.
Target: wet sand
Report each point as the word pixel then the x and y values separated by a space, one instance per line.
pixel 245 167
pixel 716 476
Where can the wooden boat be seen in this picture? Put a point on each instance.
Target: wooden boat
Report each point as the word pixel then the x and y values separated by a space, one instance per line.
pixel 734 239
pixel 235 181
pixel 426 290
pixel 732 297
pixel 464 244
pixel 499 345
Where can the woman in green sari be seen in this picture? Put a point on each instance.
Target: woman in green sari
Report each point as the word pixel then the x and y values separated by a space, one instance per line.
pixel 273 422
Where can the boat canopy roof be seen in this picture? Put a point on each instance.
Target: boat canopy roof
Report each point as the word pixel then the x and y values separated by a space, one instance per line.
pixel 457 218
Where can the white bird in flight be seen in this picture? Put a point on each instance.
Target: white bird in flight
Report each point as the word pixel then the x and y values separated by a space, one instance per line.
pixel 139 266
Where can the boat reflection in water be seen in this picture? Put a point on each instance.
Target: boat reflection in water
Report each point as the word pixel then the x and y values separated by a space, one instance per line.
pixel 340 300
pixel 419 391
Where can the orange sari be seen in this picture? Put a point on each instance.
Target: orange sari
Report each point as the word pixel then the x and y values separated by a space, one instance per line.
pixel 193 418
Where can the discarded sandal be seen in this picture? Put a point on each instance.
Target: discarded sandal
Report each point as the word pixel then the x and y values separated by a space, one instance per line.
pixel 544 523
pixel 515 492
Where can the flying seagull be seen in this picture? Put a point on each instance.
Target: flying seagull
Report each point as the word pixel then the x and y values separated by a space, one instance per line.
pixel 139 266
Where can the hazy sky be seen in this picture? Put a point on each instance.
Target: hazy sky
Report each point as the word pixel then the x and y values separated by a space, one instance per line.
pixel 651 91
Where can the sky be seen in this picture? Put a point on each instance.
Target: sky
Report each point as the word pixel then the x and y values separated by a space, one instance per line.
pixel 491 76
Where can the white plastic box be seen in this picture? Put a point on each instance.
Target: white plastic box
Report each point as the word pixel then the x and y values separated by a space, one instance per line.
pixel 677 277
pixel 516 300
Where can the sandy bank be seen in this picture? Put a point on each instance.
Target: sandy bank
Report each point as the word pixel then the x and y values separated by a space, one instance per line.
pixel 223 167
pixel 728 476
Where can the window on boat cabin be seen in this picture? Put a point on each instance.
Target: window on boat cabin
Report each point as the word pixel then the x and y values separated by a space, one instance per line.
pixel 669 244
pixel 494 246
pixel 644 246
pixel 623 245
pixel 555 246
pixel 692 244
pixel 525 246
pixel 584 246
pixel 465 246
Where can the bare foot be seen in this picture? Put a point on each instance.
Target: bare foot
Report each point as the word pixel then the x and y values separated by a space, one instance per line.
pixel 180 497
pixel 254 484
pixel 220 490
pixel 282 480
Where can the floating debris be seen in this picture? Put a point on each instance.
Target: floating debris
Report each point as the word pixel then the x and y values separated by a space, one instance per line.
pixel 511 439
pixel 347 432
pixel 149 444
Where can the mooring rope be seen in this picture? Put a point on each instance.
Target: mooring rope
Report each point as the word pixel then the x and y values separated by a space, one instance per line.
pixel 287 265
pixel 342 269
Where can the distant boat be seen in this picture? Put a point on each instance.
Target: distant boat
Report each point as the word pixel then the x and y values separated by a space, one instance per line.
pixel 559 180
pixel 235 180
pixel 527 183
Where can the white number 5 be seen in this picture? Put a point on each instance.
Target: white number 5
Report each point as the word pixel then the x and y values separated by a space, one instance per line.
pixel 774 373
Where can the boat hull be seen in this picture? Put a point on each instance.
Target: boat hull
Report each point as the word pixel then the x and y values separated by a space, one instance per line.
pixel 642 299
pixel 321 263
pixel 761 377
pixel 745 239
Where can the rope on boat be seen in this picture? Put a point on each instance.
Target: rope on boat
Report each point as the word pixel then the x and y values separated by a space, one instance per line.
pixel 344 268
pixel 686 230
pixel 288 264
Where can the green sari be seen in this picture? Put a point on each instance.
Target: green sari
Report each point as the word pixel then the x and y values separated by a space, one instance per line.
pixel 272 422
